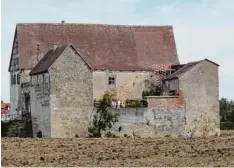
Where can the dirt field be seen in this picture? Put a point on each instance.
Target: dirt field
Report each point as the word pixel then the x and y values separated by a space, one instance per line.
pixel 118 152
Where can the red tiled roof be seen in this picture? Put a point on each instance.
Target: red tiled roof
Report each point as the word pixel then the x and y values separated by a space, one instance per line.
pixel 113 47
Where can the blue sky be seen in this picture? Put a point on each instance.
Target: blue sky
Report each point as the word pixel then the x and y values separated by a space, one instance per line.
pixel 202 28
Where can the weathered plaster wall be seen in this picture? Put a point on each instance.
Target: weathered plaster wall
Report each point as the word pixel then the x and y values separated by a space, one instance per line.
pixel 129 84
pixel 71 95
pixel 165 116
pixel 14 92
pixel 149 122
pixel 14 70
pixel 40 104
pixel 25 78
pixel 201 93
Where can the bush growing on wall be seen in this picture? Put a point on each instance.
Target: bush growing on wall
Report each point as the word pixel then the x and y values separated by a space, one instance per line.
pixel 103 119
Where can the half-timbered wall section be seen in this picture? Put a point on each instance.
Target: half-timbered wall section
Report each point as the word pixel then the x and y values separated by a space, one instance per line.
pixel 14 64
pixel 14 76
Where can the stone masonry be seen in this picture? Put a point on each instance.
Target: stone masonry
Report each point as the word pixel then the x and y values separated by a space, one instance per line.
pixel 71 95
pixel 200 87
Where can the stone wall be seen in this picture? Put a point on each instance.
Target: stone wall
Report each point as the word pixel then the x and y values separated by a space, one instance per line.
pixel 165 116
pixel 129 84
pixel 167 102
pixel 149 122
pixel 40 104
pixel 71 98
pixel 200 88
pixel 16 128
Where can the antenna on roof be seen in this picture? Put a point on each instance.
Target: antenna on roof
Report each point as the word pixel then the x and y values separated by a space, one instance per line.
pixel 38 49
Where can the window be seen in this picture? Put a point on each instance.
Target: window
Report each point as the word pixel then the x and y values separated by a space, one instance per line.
pixel 18 79
pixel 14 79
pixel 111 80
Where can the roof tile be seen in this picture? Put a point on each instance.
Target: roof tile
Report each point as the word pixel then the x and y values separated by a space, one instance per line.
pixel 113 47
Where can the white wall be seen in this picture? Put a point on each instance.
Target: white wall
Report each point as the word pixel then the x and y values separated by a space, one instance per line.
pixel 14 93
pixel 129 84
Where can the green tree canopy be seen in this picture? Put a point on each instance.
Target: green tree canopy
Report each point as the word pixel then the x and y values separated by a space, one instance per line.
pixel 226 110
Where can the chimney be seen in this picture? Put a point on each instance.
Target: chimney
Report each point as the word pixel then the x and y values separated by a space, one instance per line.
pixel 55 45
pixel 1 101
pixel 62 21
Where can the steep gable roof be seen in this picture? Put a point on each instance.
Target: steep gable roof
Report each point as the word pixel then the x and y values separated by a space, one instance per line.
pixel 44 64
pixel 50 57
pixel 112 47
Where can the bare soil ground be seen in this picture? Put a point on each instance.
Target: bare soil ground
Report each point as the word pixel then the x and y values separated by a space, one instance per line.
pixel 216 151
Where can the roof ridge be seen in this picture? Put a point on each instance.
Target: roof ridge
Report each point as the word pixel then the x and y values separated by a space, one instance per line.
pixel 95 24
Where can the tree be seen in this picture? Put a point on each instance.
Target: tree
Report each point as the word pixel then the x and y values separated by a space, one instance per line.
pixel 103 119
pixel 231 115
pixel 226 110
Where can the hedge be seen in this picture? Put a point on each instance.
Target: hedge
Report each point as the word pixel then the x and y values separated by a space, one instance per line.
pixel 227 125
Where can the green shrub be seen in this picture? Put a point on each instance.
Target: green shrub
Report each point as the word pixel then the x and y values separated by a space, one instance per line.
pixel 144 94
pixel 144 103
pixel 137 103
pixel 227 125
pixel 103 119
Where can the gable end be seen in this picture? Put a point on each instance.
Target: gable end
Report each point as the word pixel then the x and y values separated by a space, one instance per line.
pixel 14 60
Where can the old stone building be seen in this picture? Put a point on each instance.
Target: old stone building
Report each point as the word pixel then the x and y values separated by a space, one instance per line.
pixel 87 60
pixel 61 93
pixel 189 103
pixel 121 55
pixel 199 83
